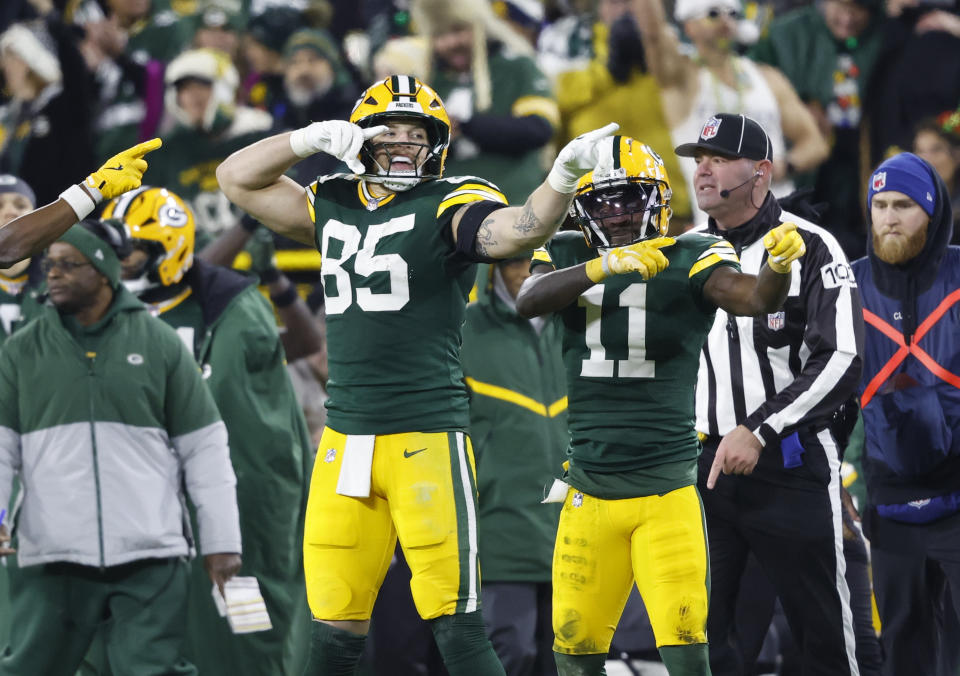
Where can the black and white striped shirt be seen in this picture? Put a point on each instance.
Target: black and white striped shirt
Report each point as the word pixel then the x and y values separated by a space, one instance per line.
pixel 790 369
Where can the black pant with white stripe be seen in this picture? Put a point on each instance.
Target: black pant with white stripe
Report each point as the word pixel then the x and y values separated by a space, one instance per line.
pixel 792 524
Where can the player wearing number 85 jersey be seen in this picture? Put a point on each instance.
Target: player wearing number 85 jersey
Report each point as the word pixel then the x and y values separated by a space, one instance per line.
pixel 398 242
pixel 636 308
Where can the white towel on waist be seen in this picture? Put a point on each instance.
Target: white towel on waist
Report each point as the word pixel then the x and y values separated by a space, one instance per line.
pixel 356 466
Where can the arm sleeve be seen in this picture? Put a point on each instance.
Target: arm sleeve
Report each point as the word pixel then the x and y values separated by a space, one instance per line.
pixel 199 438
pixel 834 338
pixel 508 134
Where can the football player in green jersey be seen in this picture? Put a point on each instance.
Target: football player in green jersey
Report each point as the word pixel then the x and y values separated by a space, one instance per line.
pixel 637 307
pixel 398 242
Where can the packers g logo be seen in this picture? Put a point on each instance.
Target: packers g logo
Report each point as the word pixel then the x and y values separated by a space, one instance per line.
pixel 172 215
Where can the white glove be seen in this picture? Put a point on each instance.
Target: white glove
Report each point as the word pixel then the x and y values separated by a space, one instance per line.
pixel 339 138
pixel 577 158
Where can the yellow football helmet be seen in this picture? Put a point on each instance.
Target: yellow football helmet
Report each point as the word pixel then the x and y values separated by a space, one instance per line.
pixel 626 198
pixel 160 223
pixel 404 97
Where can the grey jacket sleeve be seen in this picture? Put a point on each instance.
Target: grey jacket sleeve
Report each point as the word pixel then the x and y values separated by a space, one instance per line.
pixel 211 485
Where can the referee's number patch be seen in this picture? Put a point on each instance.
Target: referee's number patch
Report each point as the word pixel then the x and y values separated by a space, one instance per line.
pixel 836 274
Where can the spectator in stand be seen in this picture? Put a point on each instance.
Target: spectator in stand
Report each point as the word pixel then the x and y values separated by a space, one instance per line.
pixel 316 86
pixel 937 140
pixel 715 79
pixel 220 28
pixel 609 86
pixel 828 52
pixel 916 77
pixel 498 131
pixel 45 125
pixel 201 86
pixel 263 49
pixel 126 50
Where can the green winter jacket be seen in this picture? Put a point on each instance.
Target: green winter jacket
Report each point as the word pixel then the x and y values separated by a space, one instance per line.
pixel 105 425
pixel 518 425
pixel 244 365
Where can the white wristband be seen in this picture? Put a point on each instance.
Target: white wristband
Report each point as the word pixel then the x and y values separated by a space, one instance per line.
pixel 562 181
pixel 299 144
pixel 79 200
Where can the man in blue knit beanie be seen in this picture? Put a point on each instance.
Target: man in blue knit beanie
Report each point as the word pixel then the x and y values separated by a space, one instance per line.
pixel 910 398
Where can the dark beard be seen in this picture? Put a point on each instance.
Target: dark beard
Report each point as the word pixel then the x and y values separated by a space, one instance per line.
pixel 899 251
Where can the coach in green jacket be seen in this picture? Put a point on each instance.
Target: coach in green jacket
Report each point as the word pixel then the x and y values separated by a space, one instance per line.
pixel 518 423
pixel 230 329
pixel 104 418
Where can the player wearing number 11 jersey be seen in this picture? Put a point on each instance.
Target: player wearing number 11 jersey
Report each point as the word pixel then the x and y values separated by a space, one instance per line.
pixel 398 242
pixel 636 308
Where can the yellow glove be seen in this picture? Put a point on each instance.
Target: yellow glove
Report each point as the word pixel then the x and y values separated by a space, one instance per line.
pixel 785 245
pixel 122 172
pixel 644 257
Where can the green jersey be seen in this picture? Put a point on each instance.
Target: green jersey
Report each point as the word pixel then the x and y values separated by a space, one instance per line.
pixel 631 350
pixel 395 293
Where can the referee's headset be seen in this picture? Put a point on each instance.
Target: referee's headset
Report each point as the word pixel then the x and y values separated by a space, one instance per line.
pixel 726 193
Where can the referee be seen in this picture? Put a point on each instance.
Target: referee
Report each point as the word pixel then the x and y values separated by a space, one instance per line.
pixel 767 389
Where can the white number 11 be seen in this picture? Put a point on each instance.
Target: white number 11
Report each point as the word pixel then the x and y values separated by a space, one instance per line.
pixel 636 365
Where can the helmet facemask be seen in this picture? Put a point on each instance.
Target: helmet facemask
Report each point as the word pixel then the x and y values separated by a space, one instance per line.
pixel 426 163
pixel 621 212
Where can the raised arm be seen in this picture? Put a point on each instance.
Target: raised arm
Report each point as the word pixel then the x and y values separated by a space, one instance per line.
pixel 661 46
pixel 31 233
pixel 253 177
pixel 512 230
pixel 808 148
pixel 749 295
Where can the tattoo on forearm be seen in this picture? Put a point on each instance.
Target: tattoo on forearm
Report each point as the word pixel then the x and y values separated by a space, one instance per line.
pixel 485 238
pixel 528 221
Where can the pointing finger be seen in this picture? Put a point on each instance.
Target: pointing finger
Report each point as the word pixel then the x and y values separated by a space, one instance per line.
pixel 370 132
pixel 142 149
pixel 600 133
pixel 714 471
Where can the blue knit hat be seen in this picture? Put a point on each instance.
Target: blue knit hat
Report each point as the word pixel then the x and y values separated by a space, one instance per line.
pixel 908 174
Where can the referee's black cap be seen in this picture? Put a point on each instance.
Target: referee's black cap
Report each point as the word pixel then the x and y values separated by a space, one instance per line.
pixel 730 135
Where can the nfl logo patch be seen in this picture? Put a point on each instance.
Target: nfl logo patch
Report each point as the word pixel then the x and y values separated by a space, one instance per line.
pixel 331 455
pixel 577 499
pixel 776 321
pixel 710 129
pixel 879 181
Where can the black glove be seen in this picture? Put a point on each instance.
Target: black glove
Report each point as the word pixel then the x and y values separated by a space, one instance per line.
pixel 626 48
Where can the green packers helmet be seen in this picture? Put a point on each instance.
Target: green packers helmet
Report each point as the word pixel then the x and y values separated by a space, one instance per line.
pixel 626 198
pixel 163 226
pixel 398 98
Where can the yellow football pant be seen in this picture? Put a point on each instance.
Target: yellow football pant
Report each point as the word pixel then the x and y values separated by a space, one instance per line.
pixel 423 489
pixel 604 545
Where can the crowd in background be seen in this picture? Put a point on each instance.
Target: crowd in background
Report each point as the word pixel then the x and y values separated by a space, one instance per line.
pixel 839 85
